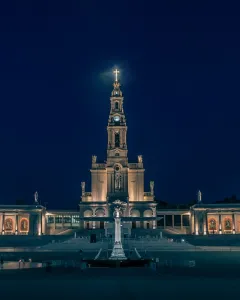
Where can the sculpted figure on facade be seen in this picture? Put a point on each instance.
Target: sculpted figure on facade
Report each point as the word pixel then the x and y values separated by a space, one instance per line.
pixel 152 187
pixel 117 211
pixel 119 207
pixel 94 159
pixel 140 159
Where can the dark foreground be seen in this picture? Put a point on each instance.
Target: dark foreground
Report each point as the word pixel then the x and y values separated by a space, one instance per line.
pixel 201 257
pixel 123 283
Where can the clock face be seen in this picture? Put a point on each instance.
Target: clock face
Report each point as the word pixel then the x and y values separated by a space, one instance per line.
pixel 116 118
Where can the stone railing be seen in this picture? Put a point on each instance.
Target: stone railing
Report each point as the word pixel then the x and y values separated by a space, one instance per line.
pixel 99 166
pixel 88 194
pixel 133 165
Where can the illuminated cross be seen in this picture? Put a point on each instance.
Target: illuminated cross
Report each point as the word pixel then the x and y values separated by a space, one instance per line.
pixel 116 72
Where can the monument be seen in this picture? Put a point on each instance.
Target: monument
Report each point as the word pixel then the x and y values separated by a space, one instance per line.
pixel 117 252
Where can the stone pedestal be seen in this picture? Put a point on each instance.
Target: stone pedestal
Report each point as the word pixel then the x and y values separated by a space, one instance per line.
pixel 118 252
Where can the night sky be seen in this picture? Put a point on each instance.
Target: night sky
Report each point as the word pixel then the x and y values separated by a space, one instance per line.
pixel 180 74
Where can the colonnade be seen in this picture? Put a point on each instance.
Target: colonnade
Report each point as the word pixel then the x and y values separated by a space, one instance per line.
pixel 213 223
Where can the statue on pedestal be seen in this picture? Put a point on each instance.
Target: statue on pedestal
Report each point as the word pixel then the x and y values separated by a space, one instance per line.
pixel 152 187
pixel 199 196
pixel 94 159
pixel 140 159
pixel 83 188
pixel 117 252
pixel 36 197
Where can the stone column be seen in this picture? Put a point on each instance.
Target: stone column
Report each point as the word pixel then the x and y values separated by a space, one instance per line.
pixel 172 221
pixel 54 224
pixel 164 221
pixel 62 222
pixel 39 224
pixel 94 222
pixel 154 224
pixel 191 221
pixel 16 227
pixel 113 139
pixel 206 220
pixel 220 223
pixel 181 222
pixel 204 225
pixel 3 220
pixel 109 137
pixel 233 224
pixel 43 223
pixel 195 223
pixel 121 138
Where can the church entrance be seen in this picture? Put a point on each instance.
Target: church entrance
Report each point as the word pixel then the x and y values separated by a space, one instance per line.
pixel 134 224
pixel 101 224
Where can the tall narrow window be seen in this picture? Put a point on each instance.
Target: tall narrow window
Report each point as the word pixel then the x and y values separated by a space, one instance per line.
pixel 116 105
pixel 117 139
pixel 118 179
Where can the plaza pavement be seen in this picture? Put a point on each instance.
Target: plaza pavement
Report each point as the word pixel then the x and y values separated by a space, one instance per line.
pixel 116 284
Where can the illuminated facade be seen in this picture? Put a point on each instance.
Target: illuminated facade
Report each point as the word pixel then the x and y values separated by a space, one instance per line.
pixel 117 179
pixel 215 219
pixel 22 220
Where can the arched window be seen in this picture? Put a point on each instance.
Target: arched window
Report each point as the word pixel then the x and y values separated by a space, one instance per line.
pixel 118 180
pixel 116 105
pixel 8 224
pixel 117 139
pixel 212 225
pixel 24 225
pixel 228 224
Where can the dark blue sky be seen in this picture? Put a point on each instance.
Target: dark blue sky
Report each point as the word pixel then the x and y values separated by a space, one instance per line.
pixel 180 73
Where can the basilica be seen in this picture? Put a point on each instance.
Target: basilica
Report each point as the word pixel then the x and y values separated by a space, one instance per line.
pixel 117 179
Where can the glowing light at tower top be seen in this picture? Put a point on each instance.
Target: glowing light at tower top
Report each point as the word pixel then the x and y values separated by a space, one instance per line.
pixel 116 72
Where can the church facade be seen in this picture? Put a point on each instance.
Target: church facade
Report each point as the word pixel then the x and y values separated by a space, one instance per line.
pixel 117 179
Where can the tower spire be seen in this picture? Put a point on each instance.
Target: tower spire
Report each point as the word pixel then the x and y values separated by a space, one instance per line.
pixel 116 85
pixel 116 72
pixel 117 128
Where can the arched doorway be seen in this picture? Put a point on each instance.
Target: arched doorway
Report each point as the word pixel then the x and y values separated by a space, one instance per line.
pixel 212 225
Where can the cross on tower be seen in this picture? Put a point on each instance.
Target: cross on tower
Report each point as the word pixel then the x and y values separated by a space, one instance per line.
pixel 116 72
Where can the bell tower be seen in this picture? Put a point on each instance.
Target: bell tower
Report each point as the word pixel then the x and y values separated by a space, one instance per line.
pixel 117 128
pixel 116 179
